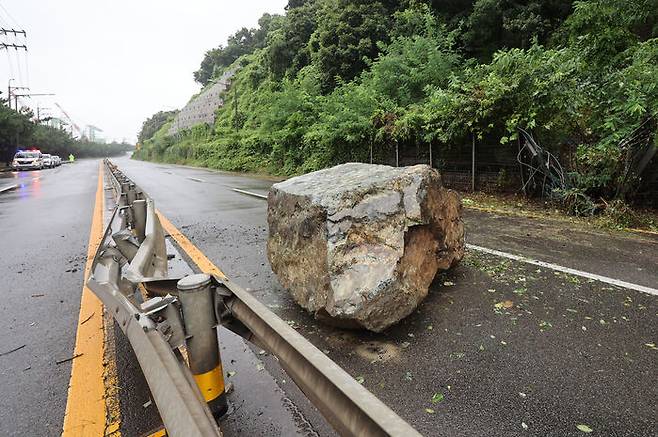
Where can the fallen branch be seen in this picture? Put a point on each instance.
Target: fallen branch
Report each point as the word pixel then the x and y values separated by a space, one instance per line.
pixel 13 350
pixel 68 359
pixel 87 319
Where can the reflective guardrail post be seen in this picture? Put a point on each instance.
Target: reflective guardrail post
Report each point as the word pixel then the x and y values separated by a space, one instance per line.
pixel 201 339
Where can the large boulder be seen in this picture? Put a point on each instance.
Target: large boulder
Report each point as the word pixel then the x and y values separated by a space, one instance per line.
pixel 359 244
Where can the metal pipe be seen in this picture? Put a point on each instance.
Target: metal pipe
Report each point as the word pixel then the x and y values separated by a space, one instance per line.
pixel 198 309
pixel 473 165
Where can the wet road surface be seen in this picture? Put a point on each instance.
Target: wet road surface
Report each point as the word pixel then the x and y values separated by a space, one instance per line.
pixel 511 349
pixel 497 348
pixel 44 229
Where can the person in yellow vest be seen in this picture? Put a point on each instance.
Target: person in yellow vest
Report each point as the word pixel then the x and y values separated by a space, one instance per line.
pixel 71 157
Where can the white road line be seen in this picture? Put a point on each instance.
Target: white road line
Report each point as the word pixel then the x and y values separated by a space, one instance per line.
pixel 559 268
pixel 11 187
pixel 195 179
pixel 568 270
pixel 249 193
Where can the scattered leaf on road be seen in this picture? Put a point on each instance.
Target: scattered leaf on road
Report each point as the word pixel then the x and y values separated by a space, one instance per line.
pixel 448 283
pixel 360 379
pixel 438 397
pixel 230 374
pixel 523 425
pixel 429 410
pixel 504 304
pixel 584 428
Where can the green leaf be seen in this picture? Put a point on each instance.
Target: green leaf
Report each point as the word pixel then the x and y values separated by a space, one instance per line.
pixel 584 428
pixel 429 411
pixel 438 397
pixel 360 379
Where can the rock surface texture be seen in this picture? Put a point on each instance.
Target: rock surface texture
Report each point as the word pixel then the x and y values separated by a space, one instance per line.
pixel 359 244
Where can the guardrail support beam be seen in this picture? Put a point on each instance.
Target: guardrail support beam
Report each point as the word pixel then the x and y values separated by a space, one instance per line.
pixel 196 298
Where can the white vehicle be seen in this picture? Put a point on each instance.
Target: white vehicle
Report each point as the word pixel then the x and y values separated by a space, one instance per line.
pixel 47 160
pixel 28 160
pixel 57 161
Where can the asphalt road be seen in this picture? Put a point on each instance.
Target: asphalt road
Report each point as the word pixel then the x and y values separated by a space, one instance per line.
pixel 568 352
pixel 44 230
pixel 562 351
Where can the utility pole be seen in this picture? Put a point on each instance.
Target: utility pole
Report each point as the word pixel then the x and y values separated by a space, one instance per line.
pixel 14 46
pixel 11 94
pixel 40 113
pixel 4 31
pixel 16 96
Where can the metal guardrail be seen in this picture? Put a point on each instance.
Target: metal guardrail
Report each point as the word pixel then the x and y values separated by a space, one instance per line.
pixel 133 256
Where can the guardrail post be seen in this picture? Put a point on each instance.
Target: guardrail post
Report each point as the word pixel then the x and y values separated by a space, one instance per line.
pixel 139 216
pixel 201 339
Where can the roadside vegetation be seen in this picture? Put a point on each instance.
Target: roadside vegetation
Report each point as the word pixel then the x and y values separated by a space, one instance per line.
pixel 336 80
pixel 21 125
pixel 618 216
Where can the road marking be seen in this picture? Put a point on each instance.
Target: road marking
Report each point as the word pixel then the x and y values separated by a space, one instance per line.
pixel 547 265
pixel 11 187
pixel 195 179
pixel 201 260
pixel 249 193
pixel 85 405
pixel 568 270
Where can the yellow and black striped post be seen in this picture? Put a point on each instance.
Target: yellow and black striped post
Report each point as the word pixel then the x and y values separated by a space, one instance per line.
pixel 202 341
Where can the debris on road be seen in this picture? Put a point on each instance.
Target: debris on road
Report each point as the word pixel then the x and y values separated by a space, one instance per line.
pixel 584 428
pixel 68 359
pixel 87 319
pixel 360 244
pixel 38 295
pixel 13 350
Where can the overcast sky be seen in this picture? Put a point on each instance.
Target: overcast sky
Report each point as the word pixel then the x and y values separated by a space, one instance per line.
pixel 114 63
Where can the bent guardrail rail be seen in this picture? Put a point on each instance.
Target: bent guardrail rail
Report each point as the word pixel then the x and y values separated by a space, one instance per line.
pixel 160 314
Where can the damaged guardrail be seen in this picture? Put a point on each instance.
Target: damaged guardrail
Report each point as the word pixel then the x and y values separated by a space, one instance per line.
pixel 163 315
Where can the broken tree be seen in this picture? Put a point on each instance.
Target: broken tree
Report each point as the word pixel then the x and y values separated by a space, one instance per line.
pixel 359 243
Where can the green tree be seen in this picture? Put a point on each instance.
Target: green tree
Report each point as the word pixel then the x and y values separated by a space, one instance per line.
pixel 153 124
pixel 347 37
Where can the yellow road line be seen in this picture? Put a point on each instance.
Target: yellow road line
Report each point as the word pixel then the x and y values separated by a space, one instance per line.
pixel 85 406
pixel 206 266
pixel 201 260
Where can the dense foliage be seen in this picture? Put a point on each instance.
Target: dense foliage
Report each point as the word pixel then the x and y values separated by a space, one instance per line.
pixel 338 80
pixel 17 130
pixel 153 124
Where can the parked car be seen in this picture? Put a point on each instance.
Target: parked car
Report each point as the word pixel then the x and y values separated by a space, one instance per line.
pixel 28 160
pixel 47 160
pixel 57 161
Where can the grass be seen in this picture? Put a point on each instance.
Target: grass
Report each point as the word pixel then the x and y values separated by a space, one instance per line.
pixel 613 218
